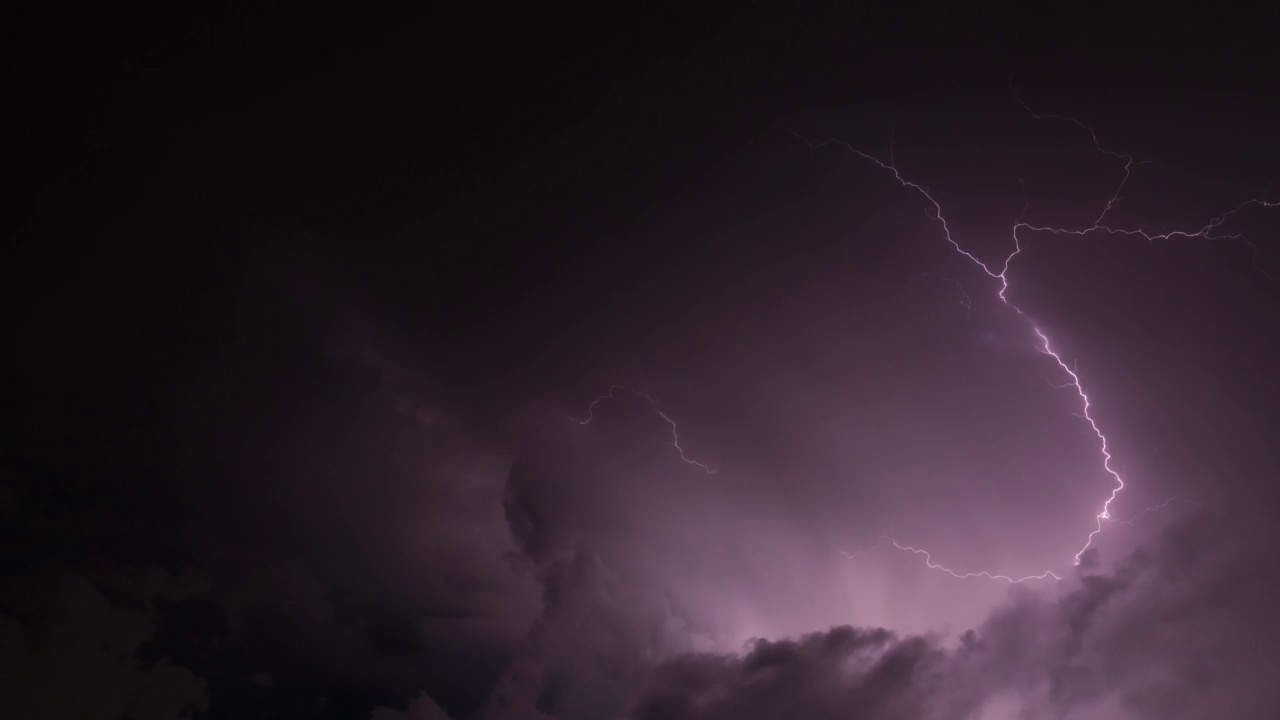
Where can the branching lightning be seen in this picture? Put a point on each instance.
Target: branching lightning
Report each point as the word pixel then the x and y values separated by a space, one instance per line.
pixel 928 560
pixel 1208 231
pixel 1000 272
pixel 653 403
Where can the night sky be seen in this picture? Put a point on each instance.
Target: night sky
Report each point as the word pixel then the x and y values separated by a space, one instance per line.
pixel 609 363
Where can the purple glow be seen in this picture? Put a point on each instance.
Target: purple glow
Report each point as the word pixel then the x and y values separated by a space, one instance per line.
pixel 1045 346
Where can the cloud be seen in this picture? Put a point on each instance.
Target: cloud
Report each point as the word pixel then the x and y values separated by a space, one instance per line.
pixel 857 672
pixel 1164 635
pixel 633 581
pixel 350 532
pixel 377 574
pixel 607 616
pixel 71 646
pixel 421 708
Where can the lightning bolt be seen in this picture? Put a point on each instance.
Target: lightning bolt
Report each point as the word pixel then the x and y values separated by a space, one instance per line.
pixel 1000 273
pixel 928 560
pixel 653 403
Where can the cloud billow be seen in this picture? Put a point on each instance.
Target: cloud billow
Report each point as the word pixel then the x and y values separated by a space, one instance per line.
pixel 1162 635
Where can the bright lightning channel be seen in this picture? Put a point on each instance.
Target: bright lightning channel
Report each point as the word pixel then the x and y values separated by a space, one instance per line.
pixel 653 403
pixel 1206 231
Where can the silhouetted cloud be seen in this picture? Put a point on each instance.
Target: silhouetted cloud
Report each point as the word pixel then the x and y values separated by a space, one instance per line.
pixel 72 645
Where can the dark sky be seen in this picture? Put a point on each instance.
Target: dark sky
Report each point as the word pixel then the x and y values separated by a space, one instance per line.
pixel 303 307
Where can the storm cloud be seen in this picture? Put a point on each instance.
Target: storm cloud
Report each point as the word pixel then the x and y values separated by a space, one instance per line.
pixel 1175 631
pixel 322 322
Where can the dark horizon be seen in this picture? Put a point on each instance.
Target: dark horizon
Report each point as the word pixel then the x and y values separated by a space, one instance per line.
pixel 351 349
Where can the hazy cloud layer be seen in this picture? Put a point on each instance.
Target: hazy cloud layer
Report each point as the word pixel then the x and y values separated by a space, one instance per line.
pixel 1178 632
pixel 616 533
